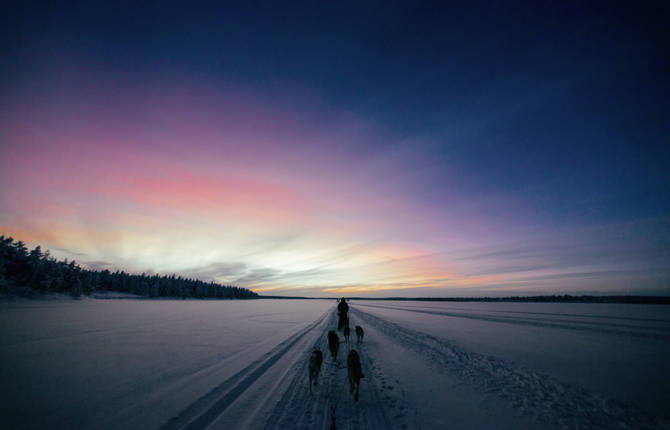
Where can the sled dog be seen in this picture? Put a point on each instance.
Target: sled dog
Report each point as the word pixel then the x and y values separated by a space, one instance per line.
pixel 359 334
pixel 333 344
pixel 315 360
pixel 355 373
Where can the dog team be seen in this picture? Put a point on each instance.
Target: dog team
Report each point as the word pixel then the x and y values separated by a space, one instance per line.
pixel 354 370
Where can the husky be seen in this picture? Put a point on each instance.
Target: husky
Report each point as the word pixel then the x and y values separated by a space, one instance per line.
pixel 355 372
pixel 347 334
pixel 333 344
pixel 315 360
pixel 343 321
pixel 359 334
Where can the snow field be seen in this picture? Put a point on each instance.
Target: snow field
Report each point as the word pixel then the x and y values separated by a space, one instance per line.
pixel 244 364
pixel 574 343
pixel 537 400
pixel 118 364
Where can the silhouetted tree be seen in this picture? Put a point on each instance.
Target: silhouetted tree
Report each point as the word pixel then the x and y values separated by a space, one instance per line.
pixel 30 273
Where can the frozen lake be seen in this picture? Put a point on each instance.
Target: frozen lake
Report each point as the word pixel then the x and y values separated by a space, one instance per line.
pixel 242 364
pixel 131 363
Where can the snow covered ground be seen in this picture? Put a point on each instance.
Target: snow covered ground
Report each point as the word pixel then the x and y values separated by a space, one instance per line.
pixel 243 364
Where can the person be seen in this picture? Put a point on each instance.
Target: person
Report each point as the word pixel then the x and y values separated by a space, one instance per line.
pixel 343 310
pixel 343 307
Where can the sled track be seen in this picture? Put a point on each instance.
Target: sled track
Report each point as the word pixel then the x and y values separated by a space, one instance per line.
pixel 543 398
pixel 589 316
pixel 298 410
pixel 574 325
pixel 206 409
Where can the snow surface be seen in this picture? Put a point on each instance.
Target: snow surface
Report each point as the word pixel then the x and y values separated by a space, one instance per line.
pixel 173 364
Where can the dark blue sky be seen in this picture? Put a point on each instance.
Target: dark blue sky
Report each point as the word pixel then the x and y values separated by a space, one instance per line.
pixel 568 99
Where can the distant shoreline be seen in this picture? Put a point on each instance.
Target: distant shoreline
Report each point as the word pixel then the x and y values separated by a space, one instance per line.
pixel 657 300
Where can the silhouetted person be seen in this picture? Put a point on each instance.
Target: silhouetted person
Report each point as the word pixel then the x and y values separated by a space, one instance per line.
pixel 343 309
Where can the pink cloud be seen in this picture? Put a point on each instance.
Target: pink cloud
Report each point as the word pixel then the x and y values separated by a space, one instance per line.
pixel 100 163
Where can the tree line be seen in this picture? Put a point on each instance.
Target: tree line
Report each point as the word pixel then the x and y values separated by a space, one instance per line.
pixel 565 298
pixel 32 273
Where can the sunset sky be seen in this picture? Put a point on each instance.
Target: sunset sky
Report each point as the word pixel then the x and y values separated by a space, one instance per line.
pixel 392 149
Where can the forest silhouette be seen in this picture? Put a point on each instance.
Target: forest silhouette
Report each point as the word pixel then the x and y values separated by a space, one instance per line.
pixel 33 273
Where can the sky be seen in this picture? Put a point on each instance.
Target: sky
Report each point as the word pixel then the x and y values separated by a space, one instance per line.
pixel 385 149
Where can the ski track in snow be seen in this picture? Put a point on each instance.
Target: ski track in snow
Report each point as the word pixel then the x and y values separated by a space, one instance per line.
pixel 544 399
pixel 273 391
pixel 205 410
pixel 599 327
pixel 379 406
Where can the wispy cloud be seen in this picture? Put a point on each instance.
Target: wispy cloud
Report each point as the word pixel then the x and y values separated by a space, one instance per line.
pixel 220 184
